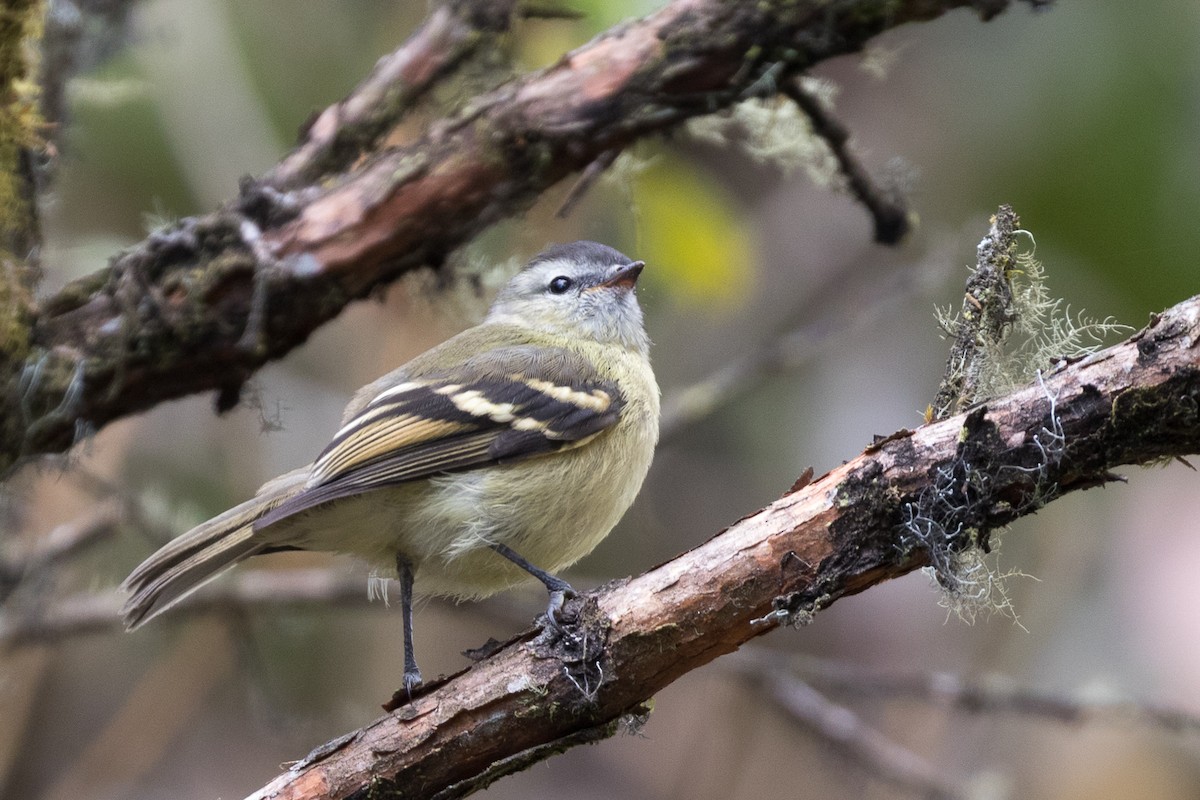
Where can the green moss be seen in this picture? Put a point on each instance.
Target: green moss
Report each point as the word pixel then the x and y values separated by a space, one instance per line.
pixel 20 130
pixel 15 317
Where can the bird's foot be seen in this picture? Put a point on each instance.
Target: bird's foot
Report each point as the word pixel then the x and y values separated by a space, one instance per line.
pixel 554 610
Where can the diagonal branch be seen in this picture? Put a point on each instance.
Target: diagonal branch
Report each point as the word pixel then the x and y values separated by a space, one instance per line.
pixel 864 746
pixel 1136 402
pixel 203 304
pixel 341 133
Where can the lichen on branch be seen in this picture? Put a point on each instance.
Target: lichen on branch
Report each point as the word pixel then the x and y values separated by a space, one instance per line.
pixel 1009 332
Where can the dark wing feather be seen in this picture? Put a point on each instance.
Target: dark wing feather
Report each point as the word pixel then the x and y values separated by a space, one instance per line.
pixel 517 405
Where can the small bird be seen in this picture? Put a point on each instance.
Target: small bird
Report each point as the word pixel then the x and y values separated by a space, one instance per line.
pixel 508 451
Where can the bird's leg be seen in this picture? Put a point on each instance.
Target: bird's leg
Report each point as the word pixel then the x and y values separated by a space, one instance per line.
pixel 559 589
pixel 412 675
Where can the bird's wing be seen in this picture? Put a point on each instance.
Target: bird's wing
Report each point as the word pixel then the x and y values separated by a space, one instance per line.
pixel 516 403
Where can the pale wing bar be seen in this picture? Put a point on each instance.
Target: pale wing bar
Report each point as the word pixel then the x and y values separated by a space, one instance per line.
pixel 433 427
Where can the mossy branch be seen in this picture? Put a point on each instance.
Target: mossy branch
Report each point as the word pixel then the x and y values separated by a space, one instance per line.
pixel 204 303
pixel 986 317
pixel 1135 403
pixel 20 140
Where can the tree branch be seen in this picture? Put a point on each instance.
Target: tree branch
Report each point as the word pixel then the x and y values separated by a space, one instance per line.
pixel 59 545
pixel 1136 402
pixel 258 590
pixel 831 315
pixel 992 694
pixel 204 303
pixel 343 132
pixel 866 747
pixel 21 153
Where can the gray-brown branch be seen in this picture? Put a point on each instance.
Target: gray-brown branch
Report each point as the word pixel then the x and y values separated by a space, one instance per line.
pixel 204 303
pixel 1133 403
pixel 986 318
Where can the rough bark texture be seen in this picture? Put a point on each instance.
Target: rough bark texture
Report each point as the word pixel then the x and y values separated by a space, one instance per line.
pixel 205 303
pixel 987 315
pixel 1133 403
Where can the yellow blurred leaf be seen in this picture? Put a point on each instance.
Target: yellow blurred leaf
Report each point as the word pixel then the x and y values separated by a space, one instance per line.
pixel 691 236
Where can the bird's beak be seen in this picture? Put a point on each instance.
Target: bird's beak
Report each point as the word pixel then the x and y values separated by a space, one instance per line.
pixel 625 277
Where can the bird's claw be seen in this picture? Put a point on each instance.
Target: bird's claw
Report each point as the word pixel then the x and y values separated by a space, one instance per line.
pixel 558 597
pixel 412 679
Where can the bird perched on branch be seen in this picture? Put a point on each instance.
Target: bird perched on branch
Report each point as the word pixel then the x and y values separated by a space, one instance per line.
pixel 508 451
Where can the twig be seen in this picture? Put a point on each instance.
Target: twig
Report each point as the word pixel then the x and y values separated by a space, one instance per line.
pixel 774 674
pixel 887 208
pixel 60 544
pixel 842 310
pixel 987 316
pixel 548 9
pixel 867 747
pixel 996 695
pixel 588 177
pixel 92 613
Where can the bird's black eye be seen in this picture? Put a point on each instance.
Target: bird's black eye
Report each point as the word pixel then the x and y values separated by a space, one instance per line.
pixel 561 284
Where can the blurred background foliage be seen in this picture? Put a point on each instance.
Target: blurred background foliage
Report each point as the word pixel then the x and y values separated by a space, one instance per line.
pixel 1086 119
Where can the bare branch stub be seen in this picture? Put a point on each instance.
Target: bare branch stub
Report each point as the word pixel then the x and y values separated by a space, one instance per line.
pixel 165 318
pixel 1132 403
pixel 986 318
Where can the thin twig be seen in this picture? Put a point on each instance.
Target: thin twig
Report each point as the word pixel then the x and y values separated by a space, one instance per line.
pixel 871 750
pixel 91 613
pixel 61 544
pixel 866 746
pixel 841 310
pixel 548 9
pixel 588 177
pixel 887 207
pixel 995 695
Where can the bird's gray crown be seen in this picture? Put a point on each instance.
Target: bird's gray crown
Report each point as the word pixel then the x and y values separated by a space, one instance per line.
pixel 582 252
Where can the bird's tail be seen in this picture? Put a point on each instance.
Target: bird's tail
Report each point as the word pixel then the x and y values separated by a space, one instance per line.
pixel 189 561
